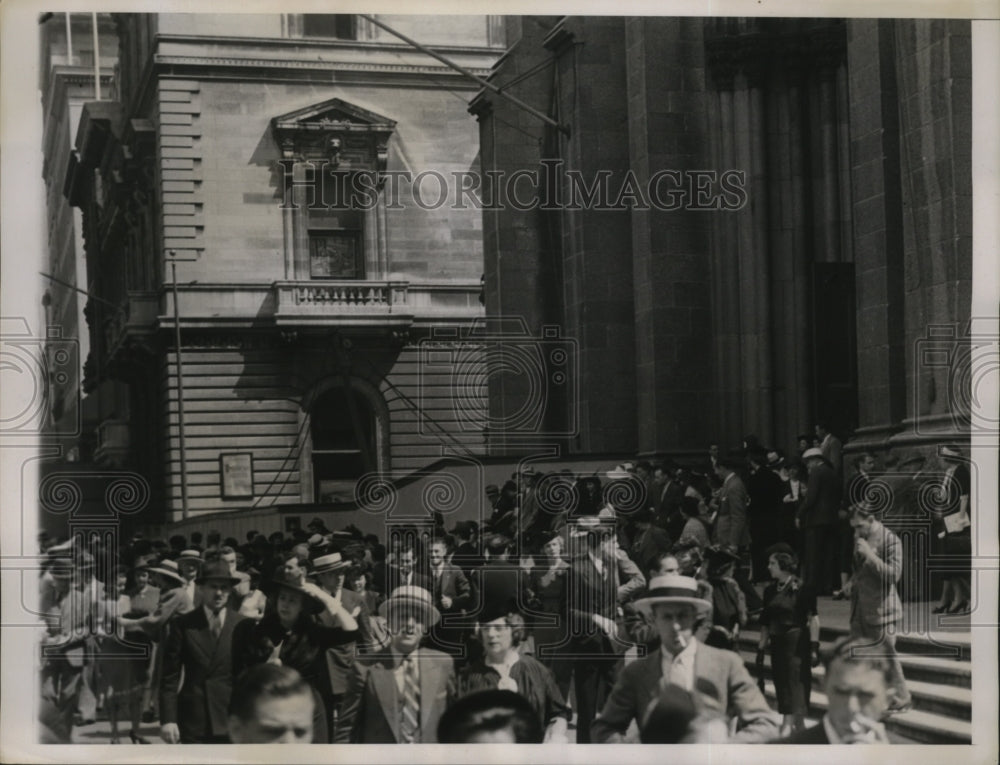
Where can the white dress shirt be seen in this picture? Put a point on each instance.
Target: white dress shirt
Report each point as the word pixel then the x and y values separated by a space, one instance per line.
pixel 679 669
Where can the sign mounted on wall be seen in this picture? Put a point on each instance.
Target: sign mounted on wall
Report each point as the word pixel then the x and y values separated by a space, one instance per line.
pixel 236 471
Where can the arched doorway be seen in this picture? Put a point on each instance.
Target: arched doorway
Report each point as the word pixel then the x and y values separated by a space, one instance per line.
pixel 344 429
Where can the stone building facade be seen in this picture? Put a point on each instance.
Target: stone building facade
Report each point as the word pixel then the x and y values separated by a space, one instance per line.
pixel 783 227
pixel 303 310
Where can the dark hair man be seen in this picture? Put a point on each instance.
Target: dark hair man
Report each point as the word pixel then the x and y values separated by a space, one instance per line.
pixel 271 704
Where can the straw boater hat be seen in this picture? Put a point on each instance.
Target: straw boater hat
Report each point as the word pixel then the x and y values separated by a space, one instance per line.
pixel 813 453
pixel 168 568
pixel 673 588
pixel 331 562
pixel 618 474
pixel 191 555
pixel 411 596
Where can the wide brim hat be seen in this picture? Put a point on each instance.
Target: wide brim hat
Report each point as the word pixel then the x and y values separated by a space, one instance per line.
pixel 411 596
pixel 216 571
pixel 720 556
pixel 618 474
pixel 498 609
pixel 673 588
pixel 812 453
pixel 781 547
pixel 167 568
pixel 309 601
pixel 331 562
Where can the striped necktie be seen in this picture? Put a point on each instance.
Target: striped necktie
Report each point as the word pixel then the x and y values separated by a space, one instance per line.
pixel 410 717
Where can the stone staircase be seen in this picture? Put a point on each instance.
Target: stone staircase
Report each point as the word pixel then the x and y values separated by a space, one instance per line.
pixel 938 669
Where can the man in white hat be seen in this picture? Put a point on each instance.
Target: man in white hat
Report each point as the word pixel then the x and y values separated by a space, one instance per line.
pixel 398 696
pixel 329 571
pixel 718 677
pixel 189 563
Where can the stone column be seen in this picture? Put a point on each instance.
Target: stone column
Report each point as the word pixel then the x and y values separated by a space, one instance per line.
pixel 667 127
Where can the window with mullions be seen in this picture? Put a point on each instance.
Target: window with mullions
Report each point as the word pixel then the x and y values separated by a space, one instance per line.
pixel 340 26
pixel 343 444
pixel 335 255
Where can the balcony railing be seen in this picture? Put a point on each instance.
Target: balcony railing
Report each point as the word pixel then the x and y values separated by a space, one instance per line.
pixel 362 296
pixel 391 304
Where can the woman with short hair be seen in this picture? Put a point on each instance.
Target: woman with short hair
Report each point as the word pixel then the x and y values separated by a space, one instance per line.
pixel 503 667
pixel 789 623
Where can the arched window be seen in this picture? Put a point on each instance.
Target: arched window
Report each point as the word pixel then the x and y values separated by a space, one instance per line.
pixel 344 443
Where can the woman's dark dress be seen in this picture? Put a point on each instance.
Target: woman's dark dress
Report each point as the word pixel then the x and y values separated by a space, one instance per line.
pixel 534 681
pixel 786 615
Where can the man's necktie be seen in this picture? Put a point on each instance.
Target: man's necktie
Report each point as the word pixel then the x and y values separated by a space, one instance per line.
pixel 410 722
pixel 216 625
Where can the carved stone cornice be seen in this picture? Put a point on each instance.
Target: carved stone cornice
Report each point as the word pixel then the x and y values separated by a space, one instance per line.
pixel 337 132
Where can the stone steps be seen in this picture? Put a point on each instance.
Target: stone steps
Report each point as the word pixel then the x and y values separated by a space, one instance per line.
pixel 938 674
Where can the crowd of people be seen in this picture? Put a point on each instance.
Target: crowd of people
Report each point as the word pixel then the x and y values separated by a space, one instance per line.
pixel 611 602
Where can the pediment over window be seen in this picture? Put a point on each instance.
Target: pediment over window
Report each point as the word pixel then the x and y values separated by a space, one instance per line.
pixel 345 135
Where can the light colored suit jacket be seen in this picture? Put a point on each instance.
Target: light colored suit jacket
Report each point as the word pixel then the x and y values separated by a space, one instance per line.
pixel 874 600
pixel 719 677
pixel 731 526
pixel 372 704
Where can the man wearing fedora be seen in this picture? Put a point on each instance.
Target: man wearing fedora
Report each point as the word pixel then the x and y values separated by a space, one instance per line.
pixel 719 677
pixel 329 571
pixel 200 645
pixel 817 520
pixel 399 695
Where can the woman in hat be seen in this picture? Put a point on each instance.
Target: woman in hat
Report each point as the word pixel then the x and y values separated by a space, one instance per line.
pixel 789 623
pixel 548 583
pixel 501 667
pixel 305 620
pixel 952 529
pixel 729 605
pixel 124 660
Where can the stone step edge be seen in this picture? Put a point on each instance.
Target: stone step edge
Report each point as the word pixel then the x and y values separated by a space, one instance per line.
pixel 748 640
pixel 954 694
pixel 915 719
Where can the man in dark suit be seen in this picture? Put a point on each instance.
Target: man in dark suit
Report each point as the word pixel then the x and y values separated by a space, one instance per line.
pixel 668 501
pixel 675 607
pixel 199 644
pixel 404 573
pixel 858 680
pixel 594 647
pixel 817 519
pixel 329 571
pixel 398 696
pixel 452 595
